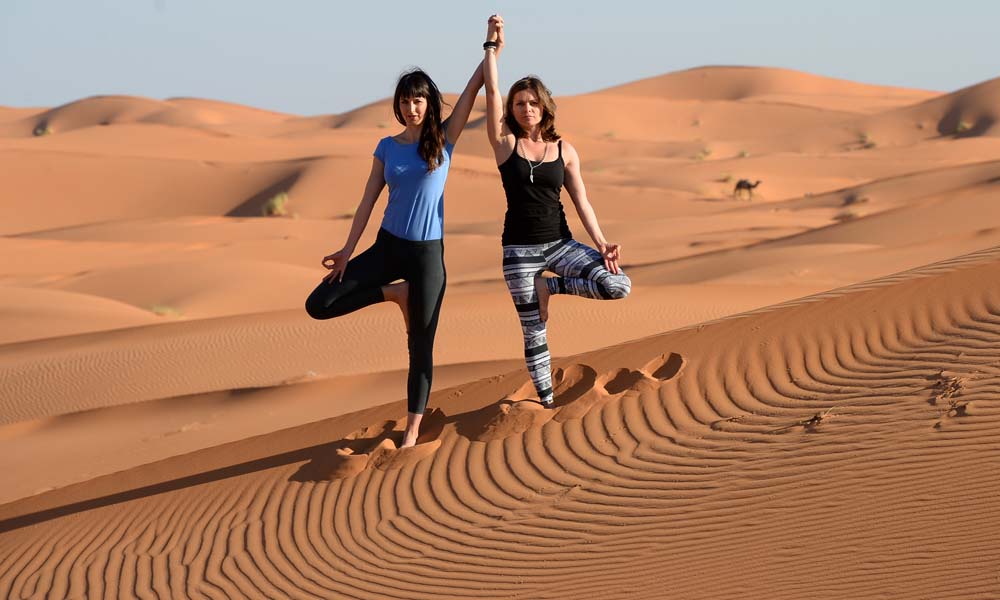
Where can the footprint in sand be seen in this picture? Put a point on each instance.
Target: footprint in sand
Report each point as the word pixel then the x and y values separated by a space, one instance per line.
pixel 620 381
pixel 604 387
pixel 665 366
pixel 374 446
pixel 503 419
pixel 387 457
pixel 577 390
pixel 521 411
pixel 342 463
pixel 568 384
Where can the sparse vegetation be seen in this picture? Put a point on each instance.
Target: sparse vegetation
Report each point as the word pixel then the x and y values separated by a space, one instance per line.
pixel 855 198
pixel 702 154
pixel 811 424
pixel 275 207
pixel 164 310
pixel 866 141
pixel 743 154
pixel 42 129
pixel 382 124
pixel 726 178
pixel 696 123
pixel 846 215
pixel 609 134
pixel 962 127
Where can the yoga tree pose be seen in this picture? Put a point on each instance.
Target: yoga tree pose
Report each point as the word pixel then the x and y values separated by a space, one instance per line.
pixel 535 163
pixel 405 265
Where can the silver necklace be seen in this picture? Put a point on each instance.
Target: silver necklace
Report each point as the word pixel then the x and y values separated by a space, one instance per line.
pixel 531 174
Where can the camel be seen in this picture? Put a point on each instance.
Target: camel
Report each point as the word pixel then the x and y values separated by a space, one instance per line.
pixel 745 185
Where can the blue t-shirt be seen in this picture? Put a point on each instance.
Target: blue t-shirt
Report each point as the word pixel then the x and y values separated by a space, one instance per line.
pixel 416 198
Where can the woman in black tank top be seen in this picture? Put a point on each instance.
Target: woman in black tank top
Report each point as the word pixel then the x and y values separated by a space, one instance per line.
pixel 535 164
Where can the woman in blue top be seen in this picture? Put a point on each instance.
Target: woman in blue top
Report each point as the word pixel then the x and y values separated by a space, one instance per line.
pixel 414 163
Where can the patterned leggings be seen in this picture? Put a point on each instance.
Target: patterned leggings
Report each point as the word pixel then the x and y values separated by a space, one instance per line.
pixel 580 271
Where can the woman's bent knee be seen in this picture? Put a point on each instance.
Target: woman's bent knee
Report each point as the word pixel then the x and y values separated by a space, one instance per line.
pixel 317 304
pixel 314 308
pixel 619 286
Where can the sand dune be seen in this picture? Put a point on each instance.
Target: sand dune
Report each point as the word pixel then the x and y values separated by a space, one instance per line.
pixel 63 313
pixel 968 112
pixel 742 83
pixel 796 401
pixel 844 424
pixel 116 110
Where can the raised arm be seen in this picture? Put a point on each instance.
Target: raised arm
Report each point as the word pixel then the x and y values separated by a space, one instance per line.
pixel 496 131
pixel 463 108
pixel 338 260
pixel 578 193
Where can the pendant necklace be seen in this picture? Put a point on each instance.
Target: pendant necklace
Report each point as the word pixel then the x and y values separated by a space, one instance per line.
pixel 531 174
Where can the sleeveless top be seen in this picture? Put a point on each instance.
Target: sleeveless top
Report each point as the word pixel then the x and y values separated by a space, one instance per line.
pixel 415 210
pixel 534 213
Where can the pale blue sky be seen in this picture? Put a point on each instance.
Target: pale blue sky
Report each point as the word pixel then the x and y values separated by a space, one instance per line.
pixel 323 56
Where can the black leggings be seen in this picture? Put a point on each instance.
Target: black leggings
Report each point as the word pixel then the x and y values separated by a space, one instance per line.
pixel 391 258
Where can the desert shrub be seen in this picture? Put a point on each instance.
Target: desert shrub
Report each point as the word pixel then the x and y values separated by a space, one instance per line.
pixel 164 310
pixel 846 215
pixel 275 207
pixel 855 198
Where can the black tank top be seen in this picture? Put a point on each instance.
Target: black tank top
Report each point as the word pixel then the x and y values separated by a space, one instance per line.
pixel 534 213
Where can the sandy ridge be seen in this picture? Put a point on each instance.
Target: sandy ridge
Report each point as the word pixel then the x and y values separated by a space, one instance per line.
pixel 821 415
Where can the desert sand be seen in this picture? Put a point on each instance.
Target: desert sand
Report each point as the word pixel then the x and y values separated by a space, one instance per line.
pixel 798 399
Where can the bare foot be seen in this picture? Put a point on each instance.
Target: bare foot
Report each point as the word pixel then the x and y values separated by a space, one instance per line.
pixel 412 429
pixel 542 292
pixel 400 294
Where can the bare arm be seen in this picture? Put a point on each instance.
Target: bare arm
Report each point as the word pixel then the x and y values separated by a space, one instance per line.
pixel 463 108
pixel 338 260
pixel 496 131
pixel 578 193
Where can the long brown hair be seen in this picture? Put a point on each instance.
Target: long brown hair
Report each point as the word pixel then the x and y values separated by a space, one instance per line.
pixel 417 84
pixel 548 124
